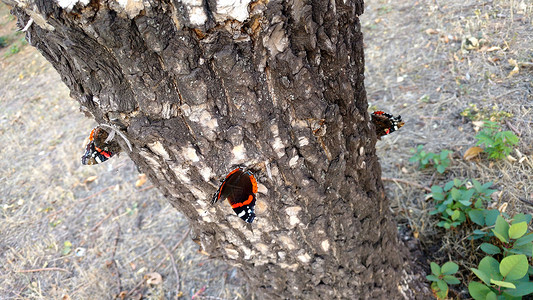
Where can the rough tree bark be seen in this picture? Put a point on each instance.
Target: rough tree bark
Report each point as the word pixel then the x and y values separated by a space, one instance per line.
pixel 199 87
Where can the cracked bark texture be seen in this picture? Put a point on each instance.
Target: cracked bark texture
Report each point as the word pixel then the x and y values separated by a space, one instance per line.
pixel 199 89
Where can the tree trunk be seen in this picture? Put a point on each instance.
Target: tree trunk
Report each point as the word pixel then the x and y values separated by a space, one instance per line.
pixel 200 87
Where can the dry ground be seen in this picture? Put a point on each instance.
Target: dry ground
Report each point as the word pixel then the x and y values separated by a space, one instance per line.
pixel 69 231
pixel 419 65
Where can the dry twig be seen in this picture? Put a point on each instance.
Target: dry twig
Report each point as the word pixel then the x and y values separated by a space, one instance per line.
pixel 407 182
pixel 42 269
pixel 107 216
pixel 162 260
pixel 513 128
pixel 173 267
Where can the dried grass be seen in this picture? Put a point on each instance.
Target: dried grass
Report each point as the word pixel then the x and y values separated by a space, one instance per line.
pixel 416 67
pixel 118 232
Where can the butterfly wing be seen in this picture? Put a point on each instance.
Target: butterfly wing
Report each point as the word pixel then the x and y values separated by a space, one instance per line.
pixel 239 188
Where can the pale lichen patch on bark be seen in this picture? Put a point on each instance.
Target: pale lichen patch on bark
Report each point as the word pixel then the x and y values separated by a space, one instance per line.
pixel 159 149
pixel 181 173
pixel 196 11
pixel 263 248
pixel 231 10
pixel 303 141
pixel 248 253
pixel 199 194
pixel 69 4
pixel 150 160
pixel 293 210
pixel 206 173
pixel 287 242
pixel 293 161
pixel 239 154
pixel 305 258
pixel 131 7
pixel 291 267
pixel 325 245
pixel 276 40
pixel 261 188
pixel 232 253
pixel 205 215
pixel 189 153
pixel 198 114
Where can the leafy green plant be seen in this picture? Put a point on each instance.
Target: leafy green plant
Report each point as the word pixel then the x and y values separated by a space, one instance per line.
pixel 459 199
pixel 485 218
pixel 512 238
pixel 498 144
pixel 14 49
pixel 439 160
pixel 507 279
pixel 440 277
pixel 3 41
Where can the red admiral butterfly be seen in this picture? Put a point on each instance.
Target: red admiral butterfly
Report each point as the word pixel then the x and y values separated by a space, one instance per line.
pixel 99 149
pixel 386 123
pixel 240 188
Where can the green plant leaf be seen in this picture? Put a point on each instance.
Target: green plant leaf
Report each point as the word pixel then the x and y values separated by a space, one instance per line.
pixel 451 279
pixel 477 216
pixel 441 294
pixel 456 214
pixel 456 194
pixel 528 238
pixel 490 216
pixel 465 202
pixel 436 189
pixel 443 286
pixel 517 230
pixel 441 169
pixel 490 248
pixel 526 249
pixel 514 267
pixel 501 229
pixel 435 269
pixel 477 185
pixel 492 296
pixel 481 275
pixel 491 267
pixel 478 290
pixel 449 268
pixel 521 218
pixel 522 289
pixel 432 277
pixel 448 186
pixel 467 195
pixel 503 283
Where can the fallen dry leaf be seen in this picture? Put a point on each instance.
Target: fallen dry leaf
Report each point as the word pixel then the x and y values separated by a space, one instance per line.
pixel 472 152
pixel 478 125
pixel 516 68
pixel 122 295
pixel 503 207
pixel 493 48
pixel 153 278
pixel 141 180
pixel 90 179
